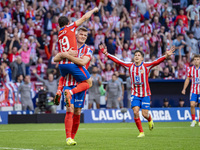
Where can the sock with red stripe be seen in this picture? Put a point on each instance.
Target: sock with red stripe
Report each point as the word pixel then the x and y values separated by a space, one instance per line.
pixel 68 124
pixel 193 116
pixel 60 84
pixel 83 86
pixel 76 122
pixel 149 119
pixel 138 124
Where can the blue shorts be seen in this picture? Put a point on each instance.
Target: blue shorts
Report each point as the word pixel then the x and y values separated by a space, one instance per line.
pixel 142 102
pixel 195 97
pixel 78 99
pixel 78 72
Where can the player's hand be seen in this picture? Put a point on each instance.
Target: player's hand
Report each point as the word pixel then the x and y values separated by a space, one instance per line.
pixel 170 52
pixel 102 48
pixel 96 9
pixel 72 52
pixel 183 92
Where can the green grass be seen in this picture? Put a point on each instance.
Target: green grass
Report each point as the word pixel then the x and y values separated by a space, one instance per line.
pixel 116 136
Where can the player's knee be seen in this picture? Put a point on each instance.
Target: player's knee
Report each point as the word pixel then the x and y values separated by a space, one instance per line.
pixel 136 113
pixel 144 114
pixel 70 109
pixel 77 111
pixel 89 81
pixel 192 105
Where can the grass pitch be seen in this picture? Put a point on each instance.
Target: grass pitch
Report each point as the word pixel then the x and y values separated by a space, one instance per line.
pixel 115 136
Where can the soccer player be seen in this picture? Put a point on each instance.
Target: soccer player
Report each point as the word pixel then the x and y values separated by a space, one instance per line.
pixel 194 74
pixel 67 40
pixel 140 91
pixel 72 118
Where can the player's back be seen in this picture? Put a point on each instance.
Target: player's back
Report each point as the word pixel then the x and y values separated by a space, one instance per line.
pixel 67 39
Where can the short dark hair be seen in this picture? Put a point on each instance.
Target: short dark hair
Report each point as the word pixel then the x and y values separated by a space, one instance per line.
pixel 180 34
pixel 63 21
pixel 82 29
pixel 138 51
pixel 196 56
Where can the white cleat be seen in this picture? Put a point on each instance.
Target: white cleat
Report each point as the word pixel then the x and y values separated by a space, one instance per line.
pixel 193 123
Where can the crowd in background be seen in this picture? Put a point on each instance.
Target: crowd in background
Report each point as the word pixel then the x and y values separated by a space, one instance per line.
pixel 29 28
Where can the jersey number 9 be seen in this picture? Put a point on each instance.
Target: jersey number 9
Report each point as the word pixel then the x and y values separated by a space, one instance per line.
pixel 64 44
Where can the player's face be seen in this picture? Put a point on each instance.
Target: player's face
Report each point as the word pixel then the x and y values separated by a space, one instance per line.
pixel 81 36
pixel 138 58
pixel 196 61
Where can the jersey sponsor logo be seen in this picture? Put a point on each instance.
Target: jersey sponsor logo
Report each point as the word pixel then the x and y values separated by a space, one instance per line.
pixel 137 78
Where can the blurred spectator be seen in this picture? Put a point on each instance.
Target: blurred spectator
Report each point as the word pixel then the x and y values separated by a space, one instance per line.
pixel 5 66
pixel 154 74
pixel 113 93
pixel 107 73
pixel 25 91
pixel 51 83
pixel 166 74
pixel 94 92
pixel 196 30
pixel 18 68
pixel 41 67
pixel 121 103
pixel 181 103
pixel 166 103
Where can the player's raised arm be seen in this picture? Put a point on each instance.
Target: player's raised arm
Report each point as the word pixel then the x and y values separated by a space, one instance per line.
pixel 113 58
pixel 86 16
pixel 161 59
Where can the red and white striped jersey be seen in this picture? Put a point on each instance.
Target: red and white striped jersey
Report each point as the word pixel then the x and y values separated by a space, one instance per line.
pixel 138 74
pixel 146 29
pixel 194 74
pixel 66 40
pixel 84 50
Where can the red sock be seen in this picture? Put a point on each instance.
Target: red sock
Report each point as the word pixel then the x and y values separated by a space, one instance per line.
pixel 60 84
pixel 76 122
pixel 149 119
pixel 138 124
pixel 193 116
pixel 80 87
pixel 68 124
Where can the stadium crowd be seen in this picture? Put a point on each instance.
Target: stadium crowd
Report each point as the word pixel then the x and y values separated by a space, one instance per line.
pixel 29 28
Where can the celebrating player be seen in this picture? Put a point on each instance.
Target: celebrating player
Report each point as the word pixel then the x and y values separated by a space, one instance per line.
pixel 139 71
pixel 67 40
pixel 194 74
pixel 72 118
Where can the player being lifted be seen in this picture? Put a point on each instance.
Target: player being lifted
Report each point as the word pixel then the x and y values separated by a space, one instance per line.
pixel 194 74
pixel 140 91
pixel 67 40
pixel 72 118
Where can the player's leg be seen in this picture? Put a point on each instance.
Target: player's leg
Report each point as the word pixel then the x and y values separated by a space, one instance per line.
pixel 135 105
pixel 192 107
pixel 145 111
pixel 109 103
pixel 69 120
pixel 59 91
pixel 97 100
pixel 78 104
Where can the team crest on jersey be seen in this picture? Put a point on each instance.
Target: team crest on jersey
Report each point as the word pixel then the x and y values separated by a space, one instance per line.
pixel 141 71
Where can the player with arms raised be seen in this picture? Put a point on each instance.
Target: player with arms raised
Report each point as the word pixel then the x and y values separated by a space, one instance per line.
pixel 67 40
pixel 140 90
pixel 194 74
